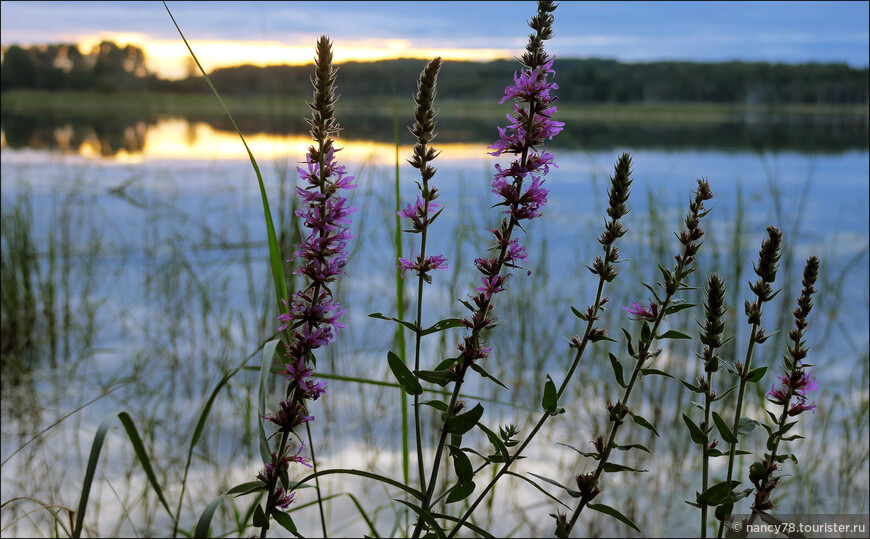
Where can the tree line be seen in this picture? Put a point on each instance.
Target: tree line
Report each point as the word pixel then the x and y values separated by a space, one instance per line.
pixel 111 68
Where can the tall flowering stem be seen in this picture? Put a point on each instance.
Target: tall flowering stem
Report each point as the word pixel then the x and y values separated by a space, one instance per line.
pixel 652 318
pixel 311 321
pixel 794 383
pixel 420 218
pixel 604 268
pixel 766 268
pixel 520 188
pixel 712 332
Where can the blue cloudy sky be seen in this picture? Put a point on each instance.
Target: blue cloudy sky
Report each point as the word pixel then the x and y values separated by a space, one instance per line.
pixel 284 32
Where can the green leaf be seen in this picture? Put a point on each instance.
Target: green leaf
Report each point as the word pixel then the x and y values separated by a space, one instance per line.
pixel 462 490
pixel 656 372
pixel 645 333
pixel 611 467
pixel 746 425
pixel 463 423
pixel 644 423
pixel 724 431
pixel 617 370
pixel 537 486
pixel 461 463
pixel 442 378
pixel 549 401
pixel 204 522
pixel 496 442
pixel 672 334
pixel 631 446
pixel 652 290
pixel 275 260
pixel 679 307
pixel 698 435
pixel 571 492
pixel 628 342
pixel 724 511
pixel 427 518
pixel 93 460
pixel 247 488
pixel 481 371
pixel 437 404
pixel 579 315
pixel 410 325
pixel 692 388
pixel 285 521
pixel 361 473
pixel 755 375
pixel 405 377
pixel 592 455
pixel 260 519
pixel 725 393
pixel 441 325
pixel 717 494
pixel 607 510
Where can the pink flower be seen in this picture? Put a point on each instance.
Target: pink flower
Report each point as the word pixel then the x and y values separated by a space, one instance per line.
pixel 637 310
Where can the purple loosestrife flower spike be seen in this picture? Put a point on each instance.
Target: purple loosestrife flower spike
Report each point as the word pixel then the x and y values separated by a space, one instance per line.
pixel 520 185
pixel 312 317
pixel 527 129
pixel 793 384
pixel 419 213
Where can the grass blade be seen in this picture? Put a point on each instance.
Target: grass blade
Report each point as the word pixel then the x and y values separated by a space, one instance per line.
pixel 275 260
pixel 139 448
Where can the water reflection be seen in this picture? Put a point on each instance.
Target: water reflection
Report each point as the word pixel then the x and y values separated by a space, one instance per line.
pixel 133 139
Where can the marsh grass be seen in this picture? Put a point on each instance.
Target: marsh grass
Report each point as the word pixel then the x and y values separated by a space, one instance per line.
pixel 197 330
pixel 194 335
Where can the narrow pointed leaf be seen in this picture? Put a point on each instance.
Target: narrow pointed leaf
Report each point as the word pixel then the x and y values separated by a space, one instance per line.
pixel 672 334
pixel 405 377
pixel 427 517
pixel 463 490
pixel 617 370
pixel 463 423
pixel 286 522
pixel 483 372
pixel 410 325
pixel 724 430
pixel 644 423
pixel 204 522
pixel 441 325
pixel 698 435
pixel 549 401
pixel 573 493
pixel 607 510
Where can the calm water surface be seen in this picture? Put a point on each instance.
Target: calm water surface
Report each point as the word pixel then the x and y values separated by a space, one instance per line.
pixel 153 282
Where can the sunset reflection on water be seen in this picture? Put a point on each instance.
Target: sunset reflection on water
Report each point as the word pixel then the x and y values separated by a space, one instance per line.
pixel 177 138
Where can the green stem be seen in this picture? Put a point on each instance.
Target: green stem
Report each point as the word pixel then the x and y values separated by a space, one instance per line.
pixel 741 391
pixel 316 479
pixel 546 415
pixel 643 355
pixel 705 450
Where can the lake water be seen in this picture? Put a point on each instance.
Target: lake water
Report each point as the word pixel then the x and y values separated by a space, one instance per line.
pixel 152 281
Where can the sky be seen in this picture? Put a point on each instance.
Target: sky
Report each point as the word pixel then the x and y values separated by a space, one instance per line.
pixel 262 33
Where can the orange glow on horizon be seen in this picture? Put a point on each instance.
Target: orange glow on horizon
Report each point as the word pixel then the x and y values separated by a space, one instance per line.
pixel 170 59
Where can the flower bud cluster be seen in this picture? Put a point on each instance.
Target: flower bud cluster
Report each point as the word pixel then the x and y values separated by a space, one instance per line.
pixel 424 131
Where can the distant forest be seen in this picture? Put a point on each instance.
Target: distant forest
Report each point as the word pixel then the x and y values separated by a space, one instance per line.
pixel 111 68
